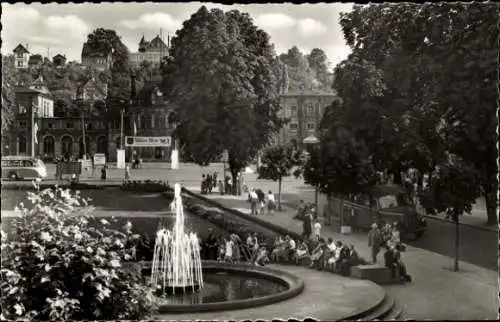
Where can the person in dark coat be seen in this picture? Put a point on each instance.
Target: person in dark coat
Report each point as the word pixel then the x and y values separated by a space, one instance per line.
pixel 306 225
pixel 211 247
pixel 374 241
pixel 104 172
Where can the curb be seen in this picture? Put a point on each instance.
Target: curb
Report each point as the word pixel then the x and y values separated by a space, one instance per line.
pixel 461 223
pixel 253 219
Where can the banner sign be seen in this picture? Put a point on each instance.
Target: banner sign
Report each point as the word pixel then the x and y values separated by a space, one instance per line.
pixel 99 159
pixel 148 141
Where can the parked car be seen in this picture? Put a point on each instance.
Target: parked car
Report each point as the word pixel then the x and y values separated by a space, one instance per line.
pixel 382 204
pixel 23 167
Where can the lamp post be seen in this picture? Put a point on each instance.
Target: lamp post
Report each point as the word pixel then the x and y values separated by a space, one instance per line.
pixel 313 141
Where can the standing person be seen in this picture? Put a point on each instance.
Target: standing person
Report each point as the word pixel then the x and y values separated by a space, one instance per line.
pixel 93 165
pixel 395 239
pixel 211 244
pixel 203 184
pixel 374 241
pixel 230 185
pixel 238 183
pixel 127 172
pixel 104 172
pixel 271 202
pixel 306 225
pixel 253 202
pixel 317 230
pixel 228 254
pixel 221 188
pixel 209 184
pixel 214 177
pixel 300 210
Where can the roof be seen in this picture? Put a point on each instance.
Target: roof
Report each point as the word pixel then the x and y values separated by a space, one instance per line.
pixel 20 48
pixel 59 56
pixel 88 51
pixel 35 59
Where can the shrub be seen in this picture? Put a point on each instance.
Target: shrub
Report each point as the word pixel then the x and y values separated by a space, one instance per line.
pixel 146 186
pixel 55 266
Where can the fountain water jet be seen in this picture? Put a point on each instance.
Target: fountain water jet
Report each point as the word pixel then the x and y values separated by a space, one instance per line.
pixel 176 263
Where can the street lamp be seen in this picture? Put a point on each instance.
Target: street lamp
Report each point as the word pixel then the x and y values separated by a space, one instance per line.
pixel 313 141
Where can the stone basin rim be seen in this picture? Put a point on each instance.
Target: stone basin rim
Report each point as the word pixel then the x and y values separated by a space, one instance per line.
pixel 295 287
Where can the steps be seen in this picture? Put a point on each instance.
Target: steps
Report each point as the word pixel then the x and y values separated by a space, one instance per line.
pixel 386 310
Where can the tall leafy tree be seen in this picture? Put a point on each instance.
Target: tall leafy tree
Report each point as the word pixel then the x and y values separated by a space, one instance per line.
pixel 278 162
pixel 219 77
pixel 452 191
pixel 439 80
pixel 9 81
pixel 318 61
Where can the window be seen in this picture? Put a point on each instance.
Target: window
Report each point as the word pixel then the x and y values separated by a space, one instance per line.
pixel 293 126
pixel 310 126
pixel 310 110
pixel 22 109
pixel 89 126
pixel 48 145
pixel 70 125
pixel 50 125
pixel 19 55
pixel 294 110
pixel 21 147
pixel 22 124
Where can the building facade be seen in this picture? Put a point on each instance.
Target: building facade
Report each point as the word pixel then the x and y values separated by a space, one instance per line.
pixel 100 61
pixel 151 51
pixel 304 111
pixel 21 55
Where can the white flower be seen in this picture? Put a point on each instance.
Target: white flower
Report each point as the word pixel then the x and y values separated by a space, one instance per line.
pixel 106 240
pixel 118 243
pixel 4 236
pixel 19 309
pixel 45 236
pixel 89 249
pixel 100 252
pixel 114 263
pixel 78 236
pixel 104 222
pixel 45 279
pixel 47 267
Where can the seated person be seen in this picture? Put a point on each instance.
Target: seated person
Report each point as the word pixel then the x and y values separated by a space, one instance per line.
pixel 291 246
pixel 399 265
pixel 330 253
pixel 317 254
pixel 342 260
pixel 261 258
pixel 301 252
pixel 334 260
pixel 279 248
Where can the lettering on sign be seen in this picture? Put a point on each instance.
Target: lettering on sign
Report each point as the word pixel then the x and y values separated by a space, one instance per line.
pixel 148 141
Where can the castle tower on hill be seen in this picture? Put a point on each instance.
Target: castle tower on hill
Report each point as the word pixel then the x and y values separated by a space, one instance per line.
pixel 151 51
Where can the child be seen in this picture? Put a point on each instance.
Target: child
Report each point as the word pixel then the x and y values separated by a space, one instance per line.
pixel 270 202
pixel 302 252
pixel 317 230
pixel 228 254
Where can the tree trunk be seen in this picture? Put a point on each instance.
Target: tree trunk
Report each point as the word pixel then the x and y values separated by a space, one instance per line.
pixel 397 175
pixel 491 205
pixel 234 187
pixel 457 244
pixel 279 195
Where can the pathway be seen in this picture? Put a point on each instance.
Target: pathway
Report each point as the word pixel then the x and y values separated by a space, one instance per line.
pixel 436 293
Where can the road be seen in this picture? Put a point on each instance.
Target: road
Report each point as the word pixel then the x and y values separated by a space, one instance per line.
pixel 477 246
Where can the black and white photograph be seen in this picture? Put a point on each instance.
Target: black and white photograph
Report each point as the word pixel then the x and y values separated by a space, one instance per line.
pixel 210 161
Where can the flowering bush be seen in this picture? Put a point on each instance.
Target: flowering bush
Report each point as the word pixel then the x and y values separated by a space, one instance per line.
pixel 145 186
pixel 55 266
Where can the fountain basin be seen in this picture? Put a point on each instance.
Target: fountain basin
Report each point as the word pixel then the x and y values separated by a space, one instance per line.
pixel 283 285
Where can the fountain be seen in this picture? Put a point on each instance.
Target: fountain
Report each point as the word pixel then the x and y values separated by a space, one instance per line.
pixel 176 266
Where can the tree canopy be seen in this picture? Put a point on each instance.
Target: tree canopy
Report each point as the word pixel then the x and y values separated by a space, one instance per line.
pixel 220 79
pixel 419 85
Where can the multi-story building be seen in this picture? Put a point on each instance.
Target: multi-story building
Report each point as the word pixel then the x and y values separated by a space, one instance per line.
pixel 304 111
pixel 35 61
pixel 100 61
pixel 149 116
pixel 151 51
pixel 21 55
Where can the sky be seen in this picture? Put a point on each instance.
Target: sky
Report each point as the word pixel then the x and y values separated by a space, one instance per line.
pixel 51 29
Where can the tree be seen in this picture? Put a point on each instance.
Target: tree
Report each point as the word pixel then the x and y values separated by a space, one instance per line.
pixel 440 89
pixel 318 61
pixel 107 41
pixel 8 95
pixel 277 163
pixel 301 76
pixel 453 190
pixel 219 77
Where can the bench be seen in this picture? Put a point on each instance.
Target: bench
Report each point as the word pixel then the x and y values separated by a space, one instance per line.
pixel 374 272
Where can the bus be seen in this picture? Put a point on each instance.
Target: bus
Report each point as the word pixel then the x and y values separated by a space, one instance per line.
pixel 23 167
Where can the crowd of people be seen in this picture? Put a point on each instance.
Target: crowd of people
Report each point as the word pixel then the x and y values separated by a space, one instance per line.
pixel 210 184
pixel 259 203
